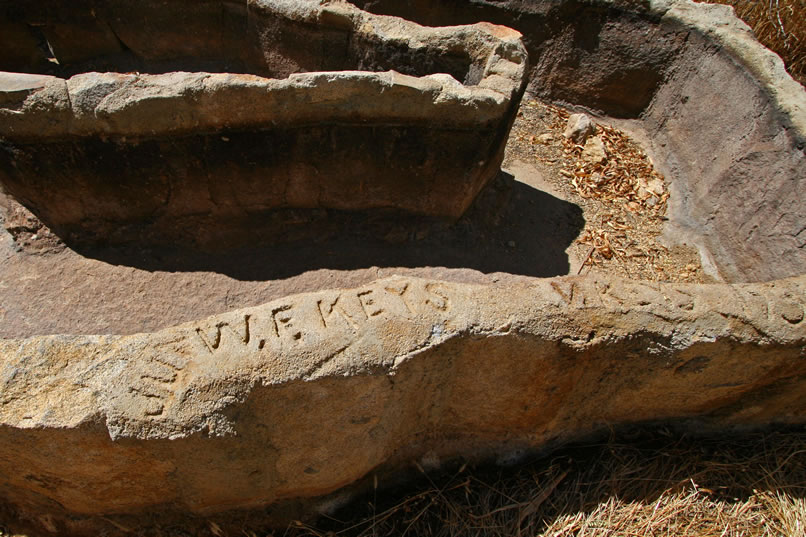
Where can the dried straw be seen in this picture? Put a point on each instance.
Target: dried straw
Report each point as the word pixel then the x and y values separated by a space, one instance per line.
pixel 780 25
pixel 651 486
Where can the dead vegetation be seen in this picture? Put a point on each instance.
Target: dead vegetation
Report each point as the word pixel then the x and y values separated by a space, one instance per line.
pixel 626 176
pixel 649 485
pixel 624 181
pixel 780 25
pixel 622 197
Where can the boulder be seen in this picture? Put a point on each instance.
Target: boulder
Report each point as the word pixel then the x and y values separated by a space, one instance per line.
pixel 285 405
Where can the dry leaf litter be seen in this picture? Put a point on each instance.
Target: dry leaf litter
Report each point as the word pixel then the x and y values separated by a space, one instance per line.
pixel 623 198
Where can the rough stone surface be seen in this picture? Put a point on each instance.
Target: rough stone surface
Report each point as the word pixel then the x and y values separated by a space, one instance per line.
pixel 45 289
pixel 393 117
pixel 579 127
pixel 738 172
pixel 594 151
pixel 606 55
pixel 295 399
pixel 283 408
pixel 723 120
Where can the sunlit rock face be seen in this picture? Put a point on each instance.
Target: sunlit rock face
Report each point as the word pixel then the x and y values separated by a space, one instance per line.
pixel 286 403
pixel 278 410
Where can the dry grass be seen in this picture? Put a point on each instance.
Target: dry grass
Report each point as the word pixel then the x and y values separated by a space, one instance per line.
pixel 780 25
pixel 649 486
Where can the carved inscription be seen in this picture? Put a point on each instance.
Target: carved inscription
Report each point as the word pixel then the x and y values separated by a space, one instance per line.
pixel 680 299
pixel 331 311
pixel 154 393
pixel 438 298
pixel 635 293
pixel 213 341
pixel 156 383
pixel 368 305
pixel 578 295
pixel 400 290
pixel 788 305
pixel 289 323
pixel 283 323
pixel 790 311
pixel 743 304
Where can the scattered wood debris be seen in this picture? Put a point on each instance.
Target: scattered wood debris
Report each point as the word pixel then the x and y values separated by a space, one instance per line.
pixel 623 198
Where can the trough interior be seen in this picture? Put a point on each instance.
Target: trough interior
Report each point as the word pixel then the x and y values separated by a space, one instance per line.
pixel 48 288
pixel 735 170
pixel 192 165
pixel 734 161
pixel 209 36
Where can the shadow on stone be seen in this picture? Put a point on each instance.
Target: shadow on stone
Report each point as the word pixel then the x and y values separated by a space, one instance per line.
pixel 511 228
pixel 593 54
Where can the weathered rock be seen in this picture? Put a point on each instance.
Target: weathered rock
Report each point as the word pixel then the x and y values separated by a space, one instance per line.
pixel 606 55
pixel 594 151
pixel 205 158
pixel 294 400
pixel 281 408
pixel 724 121
pixel 578 128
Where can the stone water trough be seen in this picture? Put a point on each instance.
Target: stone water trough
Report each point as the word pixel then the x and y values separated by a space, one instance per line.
pixel 284 408
pixel 309 105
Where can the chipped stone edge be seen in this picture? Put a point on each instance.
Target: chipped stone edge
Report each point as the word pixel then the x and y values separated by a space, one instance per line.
pixel 50 107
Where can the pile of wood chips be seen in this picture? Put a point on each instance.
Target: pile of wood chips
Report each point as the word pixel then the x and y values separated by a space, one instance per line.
pixel 624 199
pixel 626 178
